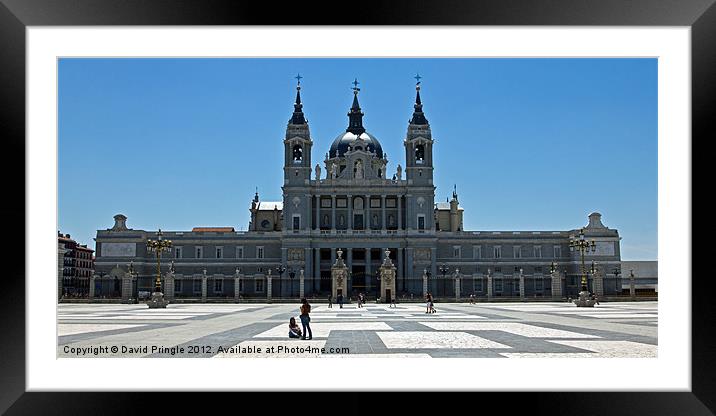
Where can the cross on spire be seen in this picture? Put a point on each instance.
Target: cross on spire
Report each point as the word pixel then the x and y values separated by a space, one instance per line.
pixel 417 78
pixel 298 77
pixel 355 86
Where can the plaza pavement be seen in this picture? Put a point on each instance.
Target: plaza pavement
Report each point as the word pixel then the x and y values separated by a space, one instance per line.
pixel 508 330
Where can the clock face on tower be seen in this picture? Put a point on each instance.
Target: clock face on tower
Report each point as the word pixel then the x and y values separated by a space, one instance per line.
pixel 265 224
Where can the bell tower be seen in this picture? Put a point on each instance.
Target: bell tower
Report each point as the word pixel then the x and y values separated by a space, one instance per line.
pixel 297 145
pixel 419 167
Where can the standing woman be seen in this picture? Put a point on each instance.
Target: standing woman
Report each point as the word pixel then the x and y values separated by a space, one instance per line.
pixel 306 319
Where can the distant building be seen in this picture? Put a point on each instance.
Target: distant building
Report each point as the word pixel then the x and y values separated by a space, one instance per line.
pixel 353 203
pixel 77 266
pixel 646 277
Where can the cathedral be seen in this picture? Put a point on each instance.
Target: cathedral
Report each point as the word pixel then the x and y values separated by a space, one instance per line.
pixel 352 208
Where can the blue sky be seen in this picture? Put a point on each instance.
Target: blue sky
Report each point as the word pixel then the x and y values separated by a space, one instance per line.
pixel 532 144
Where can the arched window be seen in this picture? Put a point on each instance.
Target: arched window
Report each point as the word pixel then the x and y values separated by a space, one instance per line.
pixel 419 153
pixel 297 153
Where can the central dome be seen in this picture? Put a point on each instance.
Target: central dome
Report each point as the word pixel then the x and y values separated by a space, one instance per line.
pixel 365 142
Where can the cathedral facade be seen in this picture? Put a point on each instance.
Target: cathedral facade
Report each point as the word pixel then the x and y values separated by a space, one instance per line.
pixel 349 206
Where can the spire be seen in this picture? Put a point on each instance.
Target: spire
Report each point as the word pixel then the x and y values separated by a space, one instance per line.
pixel 355 116
pixel 454 192
pixel 256 196
pixel 418 116
pixel 298 117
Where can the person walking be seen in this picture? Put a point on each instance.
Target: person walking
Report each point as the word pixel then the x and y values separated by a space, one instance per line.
pixel 428 302
pixel 360 300
pixel 330 301
pixel 392 303
pixel 340 300
pixel 306 319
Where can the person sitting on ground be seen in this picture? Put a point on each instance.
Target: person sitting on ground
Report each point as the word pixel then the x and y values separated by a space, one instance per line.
pixel 293 330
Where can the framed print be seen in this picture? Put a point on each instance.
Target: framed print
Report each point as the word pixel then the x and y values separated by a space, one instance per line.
pixel 137 115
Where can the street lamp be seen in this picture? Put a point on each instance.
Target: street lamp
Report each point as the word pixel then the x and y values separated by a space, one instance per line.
pixel 292 274
pixel 377 284
pixel 280 269
pixel 444 269
pixel 158 246
pixel 583 245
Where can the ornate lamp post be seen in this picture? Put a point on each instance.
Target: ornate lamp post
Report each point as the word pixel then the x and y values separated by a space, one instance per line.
pixel 291 275
pixel 617 282
pixel 377 285
pixel 444 269
pixel 427 274
pixel 158 246
pixel 280 269
pixel 582 245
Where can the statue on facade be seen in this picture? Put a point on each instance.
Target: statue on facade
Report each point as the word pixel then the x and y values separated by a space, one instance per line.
pixel 171 267
pixel 333 170
pixel 318 172
pixel 399 174
pixel 359 170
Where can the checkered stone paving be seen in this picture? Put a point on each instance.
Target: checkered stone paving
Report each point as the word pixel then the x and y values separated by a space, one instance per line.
pixel 495 330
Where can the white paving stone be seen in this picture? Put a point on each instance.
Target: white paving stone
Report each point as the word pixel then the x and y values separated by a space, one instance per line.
pixel 127 317
pixel 321 330
pixel 72 329
pixel 549 354
pixel 614 349
pixel 424 339
pixel 516 328
pixel 394 355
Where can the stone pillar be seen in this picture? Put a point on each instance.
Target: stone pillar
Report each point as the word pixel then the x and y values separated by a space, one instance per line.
pixel 382 205
pixel 410 266
pixel 387 279
pixel 522 286
pixel 489 285
pixel 632 289
pixel 169 286
pixel 399 255
pixel 91 287
pixel 204 279
pixel 268 286
pixel 425 284
pixel 126 287
pixel 339 277
pixel 556 285
pixel 301 279
pixel 237 287
pixel 457 286
pixel 316 269
pixel 349 258
pixel 400 212
pixel 598 281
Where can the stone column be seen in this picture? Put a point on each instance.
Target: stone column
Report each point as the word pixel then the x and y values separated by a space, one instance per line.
pixel 522 286
pixel 308 262
pixel 410 266
pixel 237 287
pixel 301 290
pixel 382 206
pixel 401 272
pixel 632 289
pixel 318 213
pixel 317 268
pixel 268 285
pixel 333 212
pixel 400 212
pixel 204 279
pixel 556 285
pixel 350 213
pixel 489 285
pixel 91 287
pixel 425 284
pixel 169 286
pixel 126 287
pixel 366 213
pixel 457 286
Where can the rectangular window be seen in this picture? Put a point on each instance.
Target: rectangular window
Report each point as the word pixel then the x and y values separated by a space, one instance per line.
pixel 296 222
pixel 517 252
pixel 375 203
pixel 259 252
pixel 219 252
pixel 325 202
pixel 557 252
pixel 218 285
pixel 538 252
pixel 391 203
pixel 498 252
pixel 421 222
pixel 177 252
pixel 197 286
pixel 239 252
pixel 456 252
pixel 259 285
pixel 199 253
pixel 341 203
pixel 477 252
pixel 498 285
